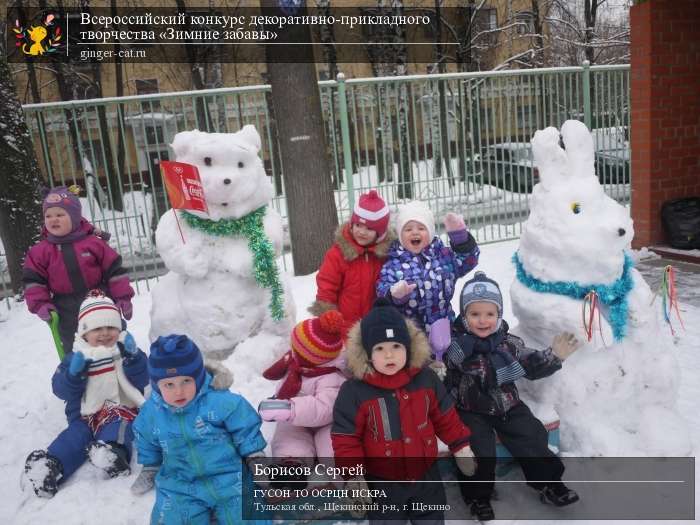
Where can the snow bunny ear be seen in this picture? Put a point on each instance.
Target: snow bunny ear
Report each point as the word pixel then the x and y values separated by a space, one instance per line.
pixel 250 138
pixel 183 142
pixel 579 148
pixel 549 158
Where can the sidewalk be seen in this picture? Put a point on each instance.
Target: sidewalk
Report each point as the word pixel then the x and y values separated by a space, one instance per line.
pixel 687 277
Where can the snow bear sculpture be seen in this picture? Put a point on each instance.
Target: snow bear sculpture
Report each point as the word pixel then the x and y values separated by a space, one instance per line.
pixel 224 286
pixel 616 396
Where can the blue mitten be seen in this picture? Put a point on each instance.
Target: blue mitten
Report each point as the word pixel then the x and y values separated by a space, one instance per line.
pixel 77 364
pixel 130 348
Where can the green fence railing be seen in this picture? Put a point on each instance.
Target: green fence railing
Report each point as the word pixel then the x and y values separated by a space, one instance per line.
pixel 459 141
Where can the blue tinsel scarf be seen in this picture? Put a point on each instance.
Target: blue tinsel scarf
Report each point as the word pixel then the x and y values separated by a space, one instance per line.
pixel 613 295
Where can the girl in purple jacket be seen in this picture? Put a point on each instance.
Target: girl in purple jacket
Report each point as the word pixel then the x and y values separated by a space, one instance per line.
pixel 69 261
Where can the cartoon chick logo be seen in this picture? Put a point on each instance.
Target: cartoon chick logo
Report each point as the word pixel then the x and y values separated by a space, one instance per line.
pixel 37 40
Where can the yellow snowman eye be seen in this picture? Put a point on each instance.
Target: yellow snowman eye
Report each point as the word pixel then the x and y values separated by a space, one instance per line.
pixel 576 207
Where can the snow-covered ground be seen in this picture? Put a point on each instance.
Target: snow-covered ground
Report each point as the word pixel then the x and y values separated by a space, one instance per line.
pixel 33 416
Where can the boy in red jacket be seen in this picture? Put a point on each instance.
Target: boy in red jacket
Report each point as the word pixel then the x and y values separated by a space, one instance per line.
pixel 348 274
pixel 391 414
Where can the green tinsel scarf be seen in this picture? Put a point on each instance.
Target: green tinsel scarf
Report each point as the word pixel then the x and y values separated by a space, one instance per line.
pixel 250 227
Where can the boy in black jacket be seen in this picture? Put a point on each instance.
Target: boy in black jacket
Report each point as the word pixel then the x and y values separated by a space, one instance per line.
pixel 483 363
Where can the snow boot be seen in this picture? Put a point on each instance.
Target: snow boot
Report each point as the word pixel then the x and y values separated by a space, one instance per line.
pixel 110 457
pixel 558 494
pixel 482 510
pixel 43 471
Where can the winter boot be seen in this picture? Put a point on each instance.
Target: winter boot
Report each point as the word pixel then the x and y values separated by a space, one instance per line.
pixel 558 494
pixel 110 457
pixel 43 472
pixel 481 510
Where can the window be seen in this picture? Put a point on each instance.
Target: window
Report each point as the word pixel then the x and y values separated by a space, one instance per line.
pixel 148 86
pixel 526 23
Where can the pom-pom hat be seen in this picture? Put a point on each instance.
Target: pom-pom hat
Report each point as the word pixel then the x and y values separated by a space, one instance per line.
pixel 172 356
pixel 314 342
pixel 384 323
pixel 481 289
pixel 415 211
pixel 97 311
pixel 371 210
pixel 67 199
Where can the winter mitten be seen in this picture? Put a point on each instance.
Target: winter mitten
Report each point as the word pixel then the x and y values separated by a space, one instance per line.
pixel 439 368
pixel 78 363
pixel 440 337
pixel 125 308
pixel 276 410
pixel 402 289
pixel 466 462
pixel 358 495
pixel 44 312
pixel 564 345
pixel 145 480
pixel 454 222
pixel 262 480
pixel 221 377
pixel 130 348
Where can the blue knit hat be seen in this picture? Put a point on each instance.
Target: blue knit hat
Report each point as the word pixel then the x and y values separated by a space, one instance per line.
pixel 175 355
pixel 481 289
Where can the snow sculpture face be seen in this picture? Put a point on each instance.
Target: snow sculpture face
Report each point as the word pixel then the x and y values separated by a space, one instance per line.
pixel 232 173
pixel 575 232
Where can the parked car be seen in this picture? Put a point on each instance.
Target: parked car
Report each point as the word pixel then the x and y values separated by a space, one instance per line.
pixel 509 165
pixel 613 165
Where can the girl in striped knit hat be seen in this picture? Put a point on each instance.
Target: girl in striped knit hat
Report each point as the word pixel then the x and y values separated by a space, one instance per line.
pixel 311 374
pixel 102 383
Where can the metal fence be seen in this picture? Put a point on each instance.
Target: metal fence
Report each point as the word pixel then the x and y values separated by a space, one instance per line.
pixel 458 141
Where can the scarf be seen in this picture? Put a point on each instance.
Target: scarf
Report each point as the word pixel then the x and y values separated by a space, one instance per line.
pixel 107 383
pixel 465 346
pixel 613 295
pixel 251 227
pixel 80 232
pixel 289 366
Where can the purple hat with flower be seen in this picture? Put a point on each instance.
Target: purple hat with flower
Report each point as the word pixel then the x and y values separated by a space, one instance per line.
pixel 67 199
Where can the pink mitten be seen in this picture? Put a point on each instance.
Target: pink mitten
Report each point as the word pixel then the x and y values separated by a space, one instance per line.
pixel 125 307
pixel 454 222
pixel 402 289
pixel 276 410
pixel 44 312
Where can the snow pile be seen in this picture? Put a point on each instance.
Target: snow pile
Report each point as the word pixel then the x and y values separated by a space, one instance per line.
pixel 617 395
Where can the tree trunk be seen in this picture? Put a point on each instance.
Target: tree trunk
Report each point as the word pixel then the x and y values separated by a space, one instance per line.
pixel 297 102
pixel 20 208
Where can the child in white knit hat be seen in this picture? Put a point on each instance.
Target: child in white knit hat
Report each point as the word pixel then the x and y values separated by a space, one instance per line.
pixel 421 272
pixel 102 383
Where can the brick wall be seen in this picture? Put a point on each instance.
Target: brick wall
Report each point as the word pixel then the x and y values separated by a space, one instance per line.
pixel 665 113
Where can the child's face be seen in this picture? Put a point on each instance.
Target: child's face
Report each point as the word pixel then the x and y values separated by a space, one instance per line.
pixel 388 357
pixel 482 318
pixel 178 391
pixel 103 336
pixel 57 221
pixel 362 234
pixel 414 236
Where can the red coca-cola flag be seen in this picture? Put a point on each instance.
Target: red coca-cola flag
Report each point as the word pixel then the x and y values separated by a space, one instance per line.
pixel 184 186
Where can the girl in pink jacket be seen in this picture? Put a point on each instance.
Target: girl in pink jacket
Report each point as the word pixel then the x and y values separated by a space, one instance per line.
pixel 303 406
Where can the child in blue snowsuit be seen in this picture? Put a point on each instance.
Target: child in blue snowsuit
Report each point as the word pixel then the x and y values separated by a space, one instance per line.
pixel 195 437
pixel 102 383
pixel 420 273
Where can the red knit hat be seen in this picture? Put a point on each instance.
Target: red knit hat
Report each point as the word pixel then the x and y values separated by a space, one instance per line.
pixel 314 342
pixel 372 211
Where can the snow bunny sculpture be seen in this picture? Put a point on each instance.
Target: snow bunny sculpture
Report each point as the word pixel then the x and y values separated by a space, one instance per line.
pixel 616 396
pixel 224 287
